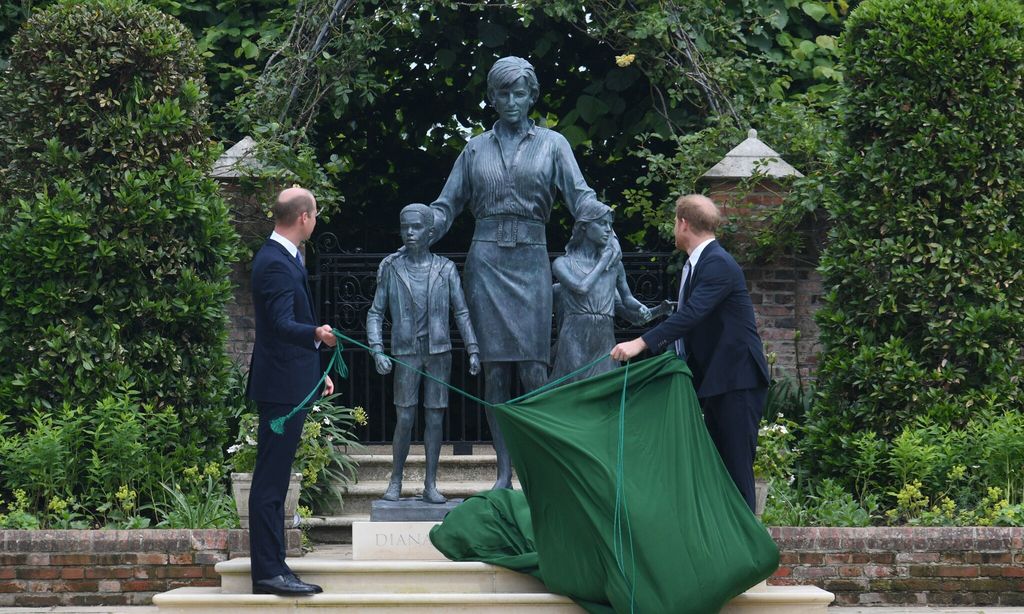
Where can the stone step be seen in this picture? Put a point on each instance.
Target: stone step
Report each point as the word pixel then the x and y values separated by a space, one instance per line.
pixel 764 599
pixel 451 468
pixel 380 577
pixel 332 529
pixel 357 498
pixel 195 600
pixel 418 586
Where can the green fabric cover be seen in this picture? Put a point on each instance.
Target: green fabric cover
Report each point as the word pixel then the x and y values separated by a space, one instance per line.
pixel 695 544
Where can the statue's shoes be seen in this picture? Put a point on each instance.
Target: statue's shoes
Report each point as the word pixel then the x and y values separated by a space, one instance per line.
pixel 432 496
pixel 393 492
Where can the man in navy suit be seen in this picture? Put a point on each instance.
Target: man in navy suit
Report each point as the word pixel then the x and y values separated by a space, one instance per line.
pixel 715 330
pixel 285 367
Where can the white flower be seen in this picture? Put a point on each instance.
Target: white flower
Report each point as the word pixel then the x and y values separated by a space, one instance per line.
pixel 330 438
pixel 327 421
pixel 315 409
pixel 234 448
pixel 250 441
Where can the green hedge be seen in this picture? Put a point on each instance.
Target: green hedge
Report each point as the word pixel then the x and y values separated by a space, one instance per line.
pixel 923 323
pixel 115 249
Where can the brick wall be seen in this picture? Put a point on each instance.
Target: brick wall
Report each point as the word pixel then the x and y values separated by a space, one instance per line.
pixel 786 293
pixel 83 568
pixel 241 316
pixel 253 226
pixel 969 566
pixel 940 566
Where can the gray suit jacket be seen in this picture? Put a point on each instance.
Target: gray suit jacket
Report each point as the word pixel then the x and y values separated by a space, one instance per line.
pixel 444 296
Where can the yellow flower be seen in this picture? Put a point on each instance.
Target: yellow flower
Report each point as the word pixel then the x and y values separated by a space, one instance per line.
pixel 625 60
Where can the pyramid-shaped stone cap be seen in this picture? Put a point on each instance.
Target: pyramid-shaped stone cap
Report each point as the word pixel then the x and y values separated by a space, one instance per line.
pixel 749 158
pixel 232 163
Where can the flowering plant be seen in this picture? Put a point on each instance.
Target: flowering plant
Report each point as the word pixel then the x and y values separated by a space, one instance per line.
pixel 775 454
pixel 323 453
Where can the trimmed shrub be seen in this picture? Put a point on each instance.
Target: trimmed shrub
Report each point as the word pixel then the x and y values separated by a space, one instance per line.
pixel 924 310
pixel 115 246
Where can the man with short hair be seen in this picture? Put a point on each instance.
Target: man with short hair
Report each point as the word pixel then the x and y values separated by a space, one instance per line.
pixel 285 367
pixel 715 324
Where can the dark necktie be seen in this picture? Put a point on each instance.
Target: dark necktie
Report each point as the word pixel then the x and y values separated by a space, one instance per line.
pixel 683 289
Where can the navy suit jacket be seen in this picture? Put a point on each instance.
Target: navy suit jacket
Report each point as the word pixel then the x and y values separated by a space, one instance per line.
pixel 285 361
pixel 716 322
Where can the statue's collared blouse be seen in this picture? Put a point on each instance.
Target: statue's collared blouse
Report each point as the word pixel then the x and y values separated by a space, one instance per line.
pixel 521 182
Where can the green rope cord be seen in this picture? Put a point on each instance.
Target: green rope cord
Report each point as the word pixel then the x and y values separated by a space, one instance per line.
pixel 618 548
pixel 336 363
pixel 342 336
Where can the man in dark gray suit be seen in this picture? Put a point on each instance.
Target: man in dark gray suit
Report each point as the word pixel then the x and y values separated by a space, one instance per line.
pixel 285 367
pixel 715 330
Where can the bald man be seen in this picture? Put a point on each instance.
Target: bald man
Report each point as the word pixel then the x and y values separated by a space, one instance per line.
pixel 714 329
pixel 285 367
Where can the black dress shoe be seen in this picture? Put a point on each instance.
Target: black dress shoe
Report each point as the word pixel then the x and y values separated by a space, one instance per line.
pixel 316 588
pixel 282 585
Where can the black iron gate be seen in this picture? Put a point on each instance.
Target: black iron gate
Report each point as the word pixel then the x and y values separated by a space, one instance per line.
pixel 343 284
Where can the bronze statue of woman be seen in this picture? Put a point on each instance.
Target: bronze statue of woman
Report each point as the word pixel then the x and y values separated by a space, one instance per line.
pixel 508 177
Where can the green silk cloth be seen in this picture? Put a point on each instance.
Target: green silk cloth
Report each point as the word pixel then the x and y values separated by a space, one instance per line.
pixel 684 540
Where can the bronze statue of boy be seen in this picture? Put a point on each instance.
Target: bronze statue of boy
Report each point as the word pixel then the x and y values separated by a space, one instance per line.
pixel 419 288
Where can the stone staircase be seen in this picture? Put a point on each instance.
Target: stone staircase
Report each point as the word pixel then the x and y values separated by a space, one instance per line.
pixel 458 476
pixel 431 586
pixel 419 580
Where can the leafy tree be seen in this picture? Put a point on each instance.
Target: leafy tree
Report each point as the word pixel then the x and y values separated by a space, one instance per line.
pixel 115 246
pixel 396 103
pixel 381 94
pixel 924 311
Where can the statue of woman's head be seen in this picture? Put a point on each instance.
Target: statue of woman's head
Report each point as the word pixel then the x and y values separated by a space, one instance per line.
pixel 504 79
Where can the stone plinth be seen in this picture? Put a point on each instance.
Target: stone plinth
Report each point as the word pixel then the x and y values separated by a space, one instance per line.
pixel 410 510
pixel 393 541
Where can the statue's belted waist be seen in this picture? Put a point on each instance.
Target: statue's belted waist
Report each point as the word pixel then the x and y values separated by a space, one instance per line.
pixel 510 231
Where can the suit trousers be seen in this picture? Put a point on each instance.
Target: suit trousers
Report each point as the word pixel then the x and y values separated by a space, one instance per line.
pixel 274 457
pixel 733 419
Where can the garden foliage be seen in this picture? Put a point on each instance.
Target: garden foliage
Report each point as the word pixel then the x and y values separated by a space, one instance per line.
pixel 923 322
pixel 115 249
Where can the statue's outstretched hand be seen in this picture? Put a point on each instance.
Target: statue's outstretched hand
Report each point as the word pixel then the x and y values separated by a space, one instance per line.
pixel 645 314
pixel 383 363
pixel 474 363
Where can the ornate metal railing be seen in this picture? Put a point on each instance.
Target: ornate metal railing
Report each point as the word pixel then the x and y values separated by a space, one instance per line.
pixel 343 284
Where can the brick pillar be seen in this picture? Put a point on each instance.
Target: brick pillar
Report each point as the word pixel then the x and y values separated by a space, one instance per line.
pixel 253 226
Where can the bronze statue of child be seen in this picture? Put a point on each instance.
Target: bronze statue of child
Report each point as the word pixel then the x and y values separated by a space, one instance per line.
pixel 591 290
pixel 419 289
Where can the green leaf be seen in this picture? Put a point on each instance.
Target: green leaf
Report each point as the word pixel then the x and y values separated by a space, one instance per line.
pixel 591 108
pixel 826 42
pixel 807 48
pixel 814 10
pixel 574 134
